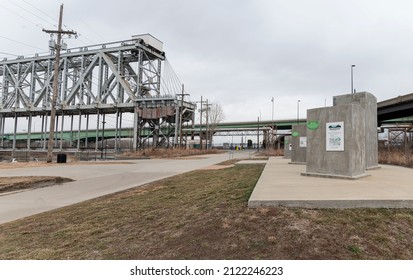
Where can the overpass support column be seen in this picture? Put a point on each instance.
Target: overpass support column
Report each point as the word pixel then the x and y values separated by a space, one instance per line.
pixel 120 130
pixel 135 128
pixel 87 130
pixel 116 131
pixel 78 131
pixel 1 131
pixel 177 125
pixel 61 131
pixel 97 131
pixel 14 137
pixel 29 131
pixel 44 125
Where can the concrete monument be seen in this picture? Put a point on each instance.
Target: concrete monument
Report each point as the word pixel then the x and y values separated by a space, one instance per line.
pixel 369 103
pixel 299 144
pixel 336 145
pixel 287 147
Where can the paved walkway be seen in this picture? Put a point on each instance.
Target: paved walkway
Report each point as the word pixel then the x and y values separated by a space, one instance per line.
pixel 93 181
pixel 281 184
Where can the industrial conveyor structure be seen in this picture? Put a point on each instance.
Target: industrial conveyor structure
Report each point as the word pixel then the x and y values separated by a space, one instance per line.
pixel 110 79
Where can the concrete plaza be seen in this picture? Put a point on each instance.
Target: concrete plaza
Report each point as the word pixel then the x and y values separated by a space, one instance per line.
pixel 281 184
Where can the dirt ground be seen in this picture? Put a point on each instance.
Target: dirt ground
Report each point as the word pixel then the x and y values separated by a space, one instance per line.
pixel 14 184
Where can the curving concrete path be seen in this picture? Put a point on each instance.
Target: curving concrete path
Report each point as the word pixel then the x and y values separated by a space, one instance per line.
pixel 94 181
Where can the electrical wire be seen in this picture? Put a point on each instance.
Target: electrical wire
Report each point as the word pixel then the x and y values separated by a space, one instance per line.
pixel 37 16
pixel 9 54
pixel 34 7
pixel 73 13
pixel 21 43
pixel 20 16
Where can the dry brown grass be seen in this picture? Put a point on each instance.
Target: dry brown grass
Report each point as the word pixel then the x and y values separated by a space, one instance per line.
pixel 271 152
pixel 204 215
pixel 396 156
pixel 168 153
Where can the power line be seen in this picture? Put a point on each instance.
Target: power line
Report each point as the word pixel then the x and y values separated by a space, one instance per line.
pixel 34 7
pixel 40 17
pixel 9 53
pixel 73 13
pixel 21 43
pixel 20 16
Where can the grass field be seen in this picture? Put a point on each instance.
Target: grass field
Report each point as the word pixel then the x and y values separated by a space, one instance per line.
pixel 204 215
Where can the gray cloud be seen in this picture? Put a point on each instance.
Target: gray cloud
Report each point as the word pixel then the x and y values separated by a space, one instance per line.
pixel 242 53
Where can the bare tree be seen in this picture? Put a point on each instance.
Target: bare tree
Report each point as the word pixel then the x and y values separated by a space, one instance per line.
pixel 214 116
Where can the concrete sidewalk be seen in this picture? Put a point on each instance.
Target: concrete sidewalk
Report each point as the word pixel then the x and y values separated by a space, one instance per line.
pixel 281 184
pixel 93 181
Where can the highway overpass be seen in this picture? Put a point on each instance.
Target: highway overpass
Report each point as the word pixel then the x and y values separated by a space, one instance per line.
pixel 400 108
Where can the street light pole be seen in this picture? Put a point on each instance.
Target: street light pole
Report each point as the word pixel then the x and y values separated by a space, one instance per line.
pixel 352 88
pixel 298 111
pixel 272 113
pixel 258 135
pixel 200 127
pixel 272 123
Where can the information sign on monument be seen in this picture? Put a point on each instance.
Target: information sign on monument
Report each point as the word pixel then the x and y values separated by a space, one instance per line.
pixel 303 142
pixel 335 136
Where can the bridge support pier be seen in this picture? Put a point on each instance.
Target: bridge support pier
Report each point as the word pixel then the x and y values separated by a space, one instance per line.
pixel 135 128
pixel 78 131
pixel 14 136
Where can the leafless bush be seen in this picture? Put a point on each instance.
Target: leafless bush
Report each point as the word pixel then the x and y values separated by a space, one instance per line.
pixel 272 152
pixel 396 156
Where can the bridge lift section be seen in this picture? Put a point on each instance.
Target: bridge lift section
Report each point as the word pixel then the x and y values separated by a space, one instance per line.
pixel 108 79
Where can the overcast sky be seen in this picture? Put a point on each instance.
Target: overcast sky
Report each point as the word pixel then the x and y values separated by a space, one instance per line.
pixel 242 53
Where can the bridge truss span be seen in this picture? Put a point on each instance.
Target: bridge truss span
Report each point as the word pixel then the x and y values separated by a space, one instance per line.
pixel 115 78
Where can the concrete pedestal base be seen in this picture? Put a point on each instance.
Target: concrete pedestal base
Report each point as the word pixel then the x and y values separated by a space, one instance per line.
pixel 332 176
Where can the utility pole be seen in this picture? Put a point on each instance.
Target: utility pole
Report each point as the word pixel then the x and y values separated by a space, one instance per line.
pixel 58 47
pixel 207 124
pixel 200 126
pixel 181 115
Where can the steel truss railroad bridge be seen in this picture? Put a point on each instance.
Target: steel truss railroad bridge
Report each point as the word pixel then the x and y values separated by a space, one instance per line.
pixel 110 79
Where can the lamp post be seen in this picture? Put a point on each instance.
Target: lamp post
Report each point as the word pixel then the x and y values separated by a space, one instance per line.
pixel 272 113
pixel 258 134
pixel 272 122
pixel 352 88
pixel 298 111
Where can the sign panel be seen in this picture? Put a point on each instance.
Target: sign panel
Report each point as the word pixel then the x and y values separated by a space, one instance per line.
pixel 335 136
pixel 312 125
pixel 303 142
